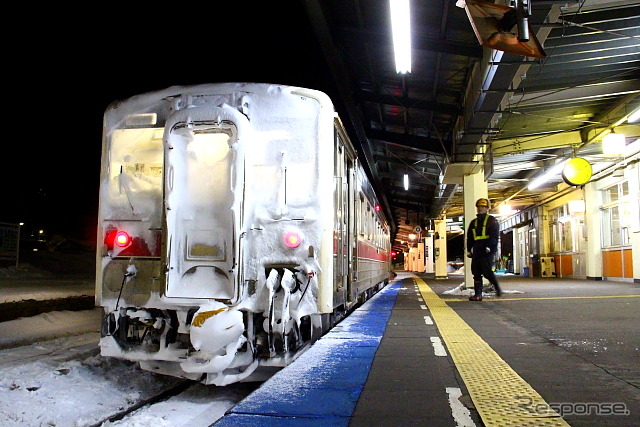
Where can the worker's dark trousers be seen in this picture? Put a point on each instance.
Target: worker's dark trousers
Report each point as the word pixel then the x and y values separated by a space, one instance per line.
pixel 481 266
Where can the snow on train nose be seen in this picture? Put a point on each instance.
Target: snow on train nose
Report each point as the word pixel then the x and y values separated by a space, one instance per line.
pixel 216 334
pixel 214 327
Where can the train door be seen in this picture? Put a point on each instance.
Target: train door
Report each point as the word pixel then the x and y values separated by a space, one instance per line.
pixel 350 255
pixel 340 220
pixel 198 205
pixel 359 230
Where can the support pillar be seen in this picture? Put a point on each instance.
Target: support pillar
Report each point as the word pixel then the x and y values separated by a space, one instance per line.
pixel 474 187
pixel 440 248
pixel 592 223
pixel 633 225
pixel 429 268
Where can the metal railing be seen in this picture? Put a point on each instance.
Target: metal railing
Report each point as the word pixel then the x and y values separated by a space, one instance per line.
pixel 10 242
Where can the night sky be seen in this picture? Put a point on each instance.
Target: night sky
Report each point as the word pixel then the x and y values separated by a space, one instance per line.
pixel 65 69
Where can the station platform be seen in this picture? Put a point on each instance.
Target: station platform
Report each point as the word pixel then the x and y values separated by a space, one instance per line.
pixel 549 352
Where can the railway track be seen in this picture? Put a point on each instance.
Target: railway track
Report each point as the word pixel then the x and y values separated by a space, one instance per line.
pixel 160 397
pixel 65 382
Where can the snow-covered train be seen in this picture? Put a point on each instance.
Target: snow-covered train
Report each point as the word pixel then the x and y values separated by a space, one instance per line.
pixel 235 227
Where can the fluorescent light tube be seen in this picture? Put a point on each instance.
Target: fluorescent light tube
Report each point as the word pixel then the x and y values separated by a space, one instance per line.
pixel 401 29
pixel 613 144
pixel 555 170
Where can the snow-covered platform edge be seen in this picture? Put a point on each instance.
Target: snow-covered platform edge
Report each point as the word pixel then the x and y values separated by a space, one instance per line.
pixel 323 385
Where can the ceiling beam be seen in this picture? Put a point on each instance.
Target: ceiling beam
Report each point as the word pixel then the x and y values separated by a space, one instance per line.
pixel 418 41
pixel 600 90
pixel 421 143
pixel 520 145
pixel 504 147
pixel 408 103
pixel 401 199
pixel 412 174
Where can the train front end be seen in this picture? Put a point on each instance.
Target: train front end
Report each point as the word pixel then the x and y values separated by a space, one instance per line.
pixel 210 229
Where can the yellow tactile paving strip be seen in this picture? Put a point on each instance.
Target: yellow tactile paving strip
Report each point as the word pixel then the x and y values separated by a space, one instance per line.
pixel 500 396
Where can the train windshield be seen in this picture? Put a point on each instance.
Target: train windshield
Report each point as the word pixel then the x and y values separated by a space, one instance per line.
pixel 132 191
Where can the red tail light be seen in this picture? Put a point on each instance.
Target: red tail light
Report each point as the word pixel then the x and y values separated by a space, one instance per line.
pixel 126 245
pixel 122 239
pixel 292 239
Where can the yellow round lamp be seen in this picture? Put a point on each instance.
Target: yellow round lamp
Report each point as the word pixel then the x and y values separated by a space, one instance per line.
pixel 577 171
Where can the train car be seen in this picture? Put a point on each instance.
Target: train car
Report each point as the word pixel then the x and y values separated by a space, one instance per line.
pixel 236 226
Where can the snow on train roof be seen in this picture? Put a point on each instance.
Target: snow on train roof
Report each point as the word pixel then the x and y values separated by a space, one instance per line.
pixel 137 101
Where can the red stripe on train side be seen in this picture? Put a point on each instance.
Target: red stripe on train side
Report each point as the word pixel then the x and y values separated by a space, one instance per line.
pixel 369 251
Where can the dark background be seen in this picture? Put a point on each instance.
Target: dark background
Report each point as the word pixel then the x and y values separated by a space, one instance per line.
pixel 65 67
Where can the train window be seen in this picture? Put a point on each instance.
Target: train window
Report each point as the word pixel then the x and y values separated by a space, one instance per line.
pixel 616 215
pixel 361 217
pixel 207 168
pixel 610 194
pixel 208 246
pixel 566 236
pixel 135 172
pixel 611 221
pixel 624 189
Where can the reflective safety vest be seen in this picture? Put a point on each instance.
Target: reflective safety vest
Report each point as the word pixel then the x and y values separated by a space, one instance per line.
pixel 483 235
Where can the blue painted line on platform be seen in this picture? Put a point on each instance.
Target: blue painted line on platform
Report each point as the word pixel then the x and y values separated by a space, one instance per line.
pixel 322 387
pixel 238 420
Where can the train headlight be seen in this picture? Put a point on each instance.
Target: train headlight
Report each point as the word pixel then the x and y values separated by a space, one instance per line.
pixel 122 239
pixel 292 239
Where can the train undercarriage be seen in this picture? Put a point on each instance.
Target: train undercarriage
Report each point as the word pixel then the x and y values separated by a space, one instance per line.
pixel 220 344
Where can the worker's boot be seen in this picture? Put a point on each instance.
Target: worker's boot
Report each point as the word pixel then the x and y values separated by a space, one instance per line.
pixel 477 289
pixel 498 290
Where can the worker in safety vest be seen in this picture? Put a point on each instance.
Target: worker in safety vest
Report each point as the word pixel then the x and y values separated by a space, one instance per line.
pixel 482 245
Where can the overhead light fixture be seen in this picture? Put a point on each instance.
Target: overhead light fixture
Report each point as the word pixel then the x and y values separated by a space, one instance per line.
pixel 613 144
pixel 555 170
pixel 503 28
pixel 401 30
pixel 406 182
pixel 505 209
pixel 634 117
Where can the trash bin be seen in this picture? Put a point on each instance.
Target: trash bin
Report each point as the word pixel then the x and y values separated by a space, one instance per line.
pixel 525 271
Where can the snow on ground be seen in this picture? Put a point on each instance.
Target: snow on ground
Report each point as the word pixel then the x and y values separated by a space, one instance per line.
pixel 65 382
pixel 51 373
pixel 56 324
